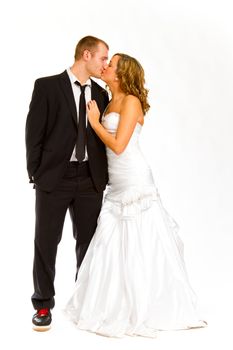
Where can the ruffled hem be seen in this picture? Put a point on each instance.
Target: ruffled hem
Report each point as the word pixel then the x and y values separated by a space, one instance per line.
pixel 119 329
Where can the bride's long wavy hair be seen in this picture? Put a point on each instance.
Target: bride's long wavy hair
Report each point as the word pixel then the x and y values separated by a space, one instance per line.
pixel 132 78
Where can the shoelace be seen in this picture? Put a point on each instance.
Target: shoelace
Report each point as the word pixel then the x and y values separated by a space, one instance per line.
pixel 43 312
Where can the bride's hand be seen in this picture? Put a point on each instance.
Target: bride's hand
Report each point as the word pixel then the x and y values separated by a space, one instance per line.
pixel 93 112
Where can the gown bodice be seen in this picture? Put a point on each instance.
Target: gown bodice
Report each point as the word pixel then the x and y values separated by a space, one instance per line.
pixel 130 168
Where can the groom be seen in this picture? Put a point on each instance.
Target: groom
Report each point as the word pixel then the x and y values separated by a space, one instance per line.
pixel 67 163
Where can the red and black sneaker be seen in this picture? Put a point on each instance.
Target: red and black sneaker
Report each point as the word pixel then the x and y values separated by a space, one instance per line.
pixel 42 320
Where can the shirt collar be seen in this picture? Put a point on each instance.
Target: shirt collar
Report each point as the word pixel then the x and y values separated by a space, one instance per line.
pixel 73 78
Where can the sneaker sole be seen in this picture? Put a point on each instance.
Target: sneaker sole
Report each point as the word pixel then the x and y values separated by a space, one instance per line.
pixel 41 328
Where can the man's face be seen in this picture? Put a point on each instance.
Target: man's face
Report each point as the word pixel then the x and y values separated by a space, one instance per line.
pixel 109 73
pixel 98 61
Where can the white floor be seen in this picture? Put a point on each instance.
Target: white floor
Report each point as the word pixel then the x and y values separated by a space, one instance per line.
pixel 64 335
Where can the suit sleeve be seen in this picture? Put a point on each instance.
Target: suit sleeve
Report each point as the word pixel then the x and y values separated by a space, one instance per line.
pixel 35 128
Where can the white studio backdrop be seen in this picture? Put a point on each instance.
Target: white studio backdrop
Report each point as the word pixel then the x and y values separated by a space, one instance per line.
pixel 186 49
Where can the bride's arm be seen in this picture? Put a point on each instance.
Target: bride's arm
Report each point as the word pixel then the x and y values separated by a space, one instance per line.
pixel 130 111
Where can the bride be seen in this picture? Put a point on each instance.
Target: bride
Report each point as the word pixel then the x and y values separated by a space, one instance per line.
pixel 132 280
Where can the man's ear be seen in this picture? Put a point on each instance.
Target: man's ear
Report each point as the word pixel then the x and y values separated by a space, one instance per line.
pixel 86 55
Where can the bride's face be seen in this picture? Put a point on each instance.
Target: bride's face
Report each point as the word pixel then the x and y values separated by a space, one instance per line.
pixel 109 73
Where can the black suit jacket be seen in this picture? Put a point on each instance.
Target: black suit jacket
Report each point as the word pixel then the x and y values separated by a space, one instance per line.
pixel 51 132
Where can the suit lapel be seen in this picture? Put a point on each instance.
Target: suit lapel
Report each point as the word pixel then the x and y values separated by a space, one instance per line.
pixel 68 92
pixel 94 92
pixel 96 95
pixel 93 97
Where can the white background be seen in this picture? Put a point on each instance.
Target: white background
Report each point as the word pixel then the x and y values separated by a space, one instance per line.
pixel 186 49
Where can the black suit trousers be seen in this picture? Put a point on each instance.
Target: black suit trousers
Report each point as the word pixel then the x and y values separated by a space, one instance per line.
pixel 77 193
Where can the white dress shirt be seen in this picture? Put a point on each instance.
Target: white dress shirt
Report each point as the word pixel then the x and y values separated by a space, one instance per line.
pixel 77 91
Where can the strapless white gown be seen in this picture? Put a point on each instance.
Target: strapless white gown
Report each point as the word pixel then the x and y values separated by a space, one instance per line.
pixel 133 279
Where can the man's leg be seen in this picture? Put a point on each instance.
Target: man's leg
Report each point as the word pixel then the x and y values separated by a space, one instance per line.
pixel 84 212
pixel 50 214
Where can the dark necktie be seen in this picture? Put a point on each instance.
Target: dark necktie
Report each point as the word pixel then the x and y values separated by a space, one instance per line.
pixel 81 139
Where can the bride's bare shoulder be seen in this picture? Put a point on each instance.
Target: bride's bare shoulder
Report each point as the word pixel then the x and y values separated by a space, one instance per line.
pixel 131 102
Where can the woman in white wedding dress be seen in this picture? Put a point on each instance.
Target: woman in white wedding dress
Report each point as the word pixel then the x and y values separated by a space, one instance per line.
pixel 132 280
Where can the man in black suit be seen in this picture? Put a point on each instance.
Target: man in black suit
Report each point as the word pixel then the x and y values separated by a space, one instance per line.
pixel 67 163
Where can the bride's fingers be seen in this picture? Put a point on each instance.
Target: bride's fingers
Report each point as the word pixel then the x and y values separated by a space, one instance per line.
pixel 91 104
